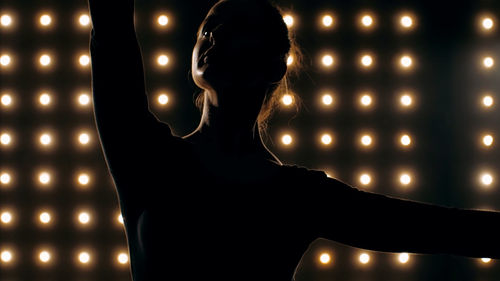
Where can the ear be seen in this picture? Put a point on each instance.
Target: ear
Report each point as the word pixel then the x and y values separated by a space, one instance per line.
pixel 277 70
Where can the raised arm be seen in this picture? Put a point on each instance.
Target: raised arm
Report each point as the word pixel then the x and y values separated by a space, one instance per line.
pixel 128 131
pixel 381 223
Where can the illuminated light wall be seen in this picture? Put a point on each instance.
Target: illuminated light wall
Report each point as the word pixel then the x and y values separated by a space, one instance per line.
pixel 396 99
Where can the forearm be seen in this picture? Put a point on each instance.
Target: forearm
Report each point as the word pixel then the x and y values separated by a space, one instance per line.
pixel 381 223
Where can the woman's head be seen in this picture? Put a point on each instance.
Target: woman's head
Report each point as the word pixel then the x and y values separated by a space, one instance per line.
pixel 242 47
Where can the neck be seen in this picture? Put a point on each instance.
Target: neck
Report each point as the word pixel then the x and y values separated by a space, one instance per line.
pixel 233 132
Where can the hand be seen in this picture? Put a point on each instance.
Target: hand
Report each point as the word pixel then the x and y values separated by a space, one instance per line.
pixel 110 14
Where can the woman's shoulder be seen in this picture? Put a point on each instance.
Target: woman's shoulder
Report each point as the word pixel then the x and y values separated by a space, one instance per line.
pixel 298 172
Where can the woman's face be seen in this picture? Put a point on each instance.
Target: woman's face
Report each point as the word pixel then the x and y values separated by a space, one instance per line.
pixel 229 54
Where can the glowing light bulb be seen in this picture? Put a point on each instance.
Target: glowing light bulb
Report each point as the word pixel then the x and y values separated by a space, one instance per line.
pixel 84 218
pixel 83 179
pixel 6 217
pixel 286 139
pixel 486 179
pixel 5 178
pixel 406 21
pixel 44 178
pixel 6 100
pixel 486 260
pixel 487 140
pixel 367 20
pixel 406 100
pixel 327 99
pixel 45 60
pixel 289 60
pixel 163 99
pixel 365 179
pixel 122 258
pixel 44 99
pixel 327 21
pixel 403 257
pixel 83 99
pixel 287 100
pixel 325 258
pixel 366 140
pixel 405 179
pixel 163 20
pixel 45 139
pixel 366 61
pixel 45 20
pixel 44 256
pixel 406 61
pixel 487 101
pixel 84 138
pixel 327 60
pixel 6 256
pixel 364 258
pixel 405 140
pixel 5 60
pixel 5 20
pixel 163 60
pixel 84 257
pixel 487 23
pixel 84 60
pixel 120 219
pixel 84 20
pixel 326 139
pixel 488 62
pixel 366 100
pixel 44 217
pixel 5 139
pixel 289 20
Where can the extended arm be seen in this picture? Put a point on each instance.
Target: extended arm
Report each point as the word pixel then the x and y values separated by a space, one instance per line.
pixel 381 223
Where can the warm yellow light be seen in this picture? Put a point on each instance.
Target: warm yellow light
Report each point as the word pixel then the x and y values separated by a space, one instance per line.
pixel 364 258
pixel 5 178
pixel 5 20
pixel 163 20
pixel 486 179
pixel 45 139
pixel 83 179
pixel 163 60
pixel 327 99
pixel 406 61
pixel 325 258
pixel 6 256
pixel 487 101
pixel 366 60
pixel 366 140
pixel 365 179
pixel 84 20
pixel 45 60
pixel 6 217
pixel 84 60
pixel 327 20
pixel 403 257
pixel 84 218
pixel 405 179
pixel 289 20
pixel 45 20
pixel 487 23
pixel 405 140
pixel 487 140
pixel 84 138
pixel 367 20
pixel 84 99
pixel 406 21
pixel 45 217
pixel 5 139
pixel 486 260
pixel 286 139
pixel 120 218
pixel 406 100
pixel 122 258
pixel 327 60
pixel 488 62
pixel 326 139
pixel 5 60
pixel 289 60
pixel 44 256
pixel 44 178
pixel 163 99
pixel 84 257
pixel 6 100
pixel 366 100
pixel 287 100
pixel 45 99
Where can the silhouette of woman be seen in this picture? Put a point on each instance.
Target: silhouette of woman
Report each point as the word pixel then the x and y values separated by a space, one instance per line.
pixel 217 203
